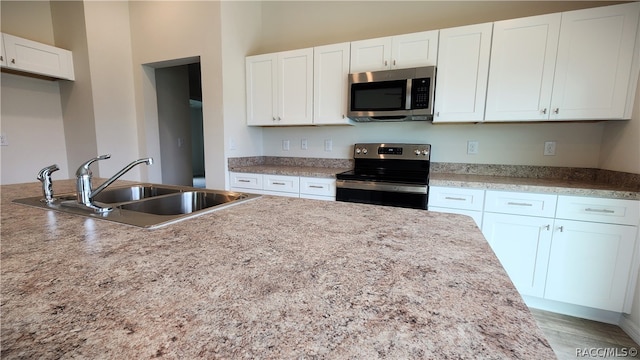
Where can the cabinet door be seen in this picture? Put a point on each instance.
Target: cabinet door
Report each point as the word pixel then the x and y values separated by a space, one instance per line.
pixel 370 55
pixel 463 66
pixel 523 57
pixel 37 58
pixel 522 244
pixel 261 89
pixel 330 73
pixel 414 50
pixel 593 68
pixel 3 56
pixel 295 87
pixel 590 264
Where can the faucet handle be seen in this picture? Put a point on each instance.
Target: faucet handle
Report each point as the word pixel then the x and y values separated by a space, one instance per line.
pixel 44 176
pixel 84 168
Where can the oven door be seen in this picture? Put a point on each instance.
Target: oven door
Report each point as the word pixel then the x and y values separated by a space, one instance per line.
pixel 387 194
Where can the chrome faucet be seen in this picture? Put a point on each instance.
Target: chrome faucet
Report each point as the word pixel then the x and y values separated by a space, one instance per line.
pixel 85 194
pixel 44 176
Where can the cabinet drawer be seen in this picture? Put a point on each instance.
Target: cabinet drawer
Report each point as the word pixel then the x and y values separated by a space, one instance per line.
pixel 521 203
pixel 613 211
pixel 318 186
pixel 456 198
pixel 246 181
pixel 281 183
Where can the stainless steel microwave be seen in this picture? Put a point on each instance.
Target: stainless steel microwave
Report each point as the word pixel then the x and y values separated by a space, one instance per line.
pixel 392 95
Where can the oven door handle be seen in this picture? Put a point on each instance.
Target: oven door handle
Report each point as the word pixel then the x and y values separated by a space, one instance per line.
pixel 381 186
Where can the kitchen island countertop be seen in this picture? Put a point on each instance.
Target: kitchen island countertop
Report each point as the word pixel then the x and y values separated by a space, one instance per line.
pixel 274 277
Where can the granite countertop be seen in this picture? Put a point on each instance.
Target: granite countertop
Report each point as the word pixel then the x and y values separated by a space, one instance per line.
pixel 577 187
pixel 275 277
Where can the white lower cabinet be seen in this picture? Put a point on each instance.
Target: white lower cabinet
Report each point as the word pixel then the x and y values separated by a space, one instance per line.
pixel 522 245
pixel 551 252
pixel 284 185
pixel 454 200
pixel 590 264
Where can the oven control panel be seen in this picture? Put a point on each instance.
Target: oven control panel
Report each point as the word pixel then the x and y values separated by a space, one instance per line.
pixel 392 151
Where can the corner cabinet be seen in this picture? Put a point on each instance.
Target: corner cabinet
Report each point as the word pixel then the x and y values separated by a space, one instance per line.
pixel 395 52
pixel 463 68
pixel 280 88
pixel 575 65
pixel 32 57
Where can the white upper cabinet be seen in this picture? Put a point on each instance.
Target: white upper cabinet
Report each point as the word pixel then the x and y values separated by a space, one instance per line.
pixel 36 58
pixel 593 69
pixel 261 89
pixel 330 88
pixel 395 52
pixel 523 57
pixel 463 66
pixel 280 88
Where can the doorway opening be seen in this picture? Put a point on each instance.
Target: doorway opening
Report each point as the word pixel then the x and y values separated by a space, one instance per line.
pixel 180 125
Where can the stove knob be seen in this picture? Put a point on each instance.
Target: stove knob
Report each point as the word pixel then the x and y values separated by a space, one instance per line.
pixel 425 152
pixel 364 151
pixel 358 150
pixel 417 152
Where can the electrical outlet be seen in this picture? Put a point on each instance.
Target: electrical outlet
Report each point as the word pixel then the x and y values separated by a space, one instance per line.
pixel 472 147
pixel 303 144
pixel 4 141
pixel 549 148
pixel 285 145
pixel 328 145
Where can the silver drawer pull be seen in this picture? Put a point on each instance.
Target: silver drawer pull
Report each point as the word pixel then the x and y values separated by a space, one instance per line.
pixel 243 180
pixel 519 204
pixel 606 211
pixel 316 186
pixel 454 198
pixel 278 183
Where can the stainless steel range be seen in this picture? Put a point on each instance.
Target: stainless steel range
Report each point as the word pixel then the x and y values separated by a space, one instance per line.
pixel 387 174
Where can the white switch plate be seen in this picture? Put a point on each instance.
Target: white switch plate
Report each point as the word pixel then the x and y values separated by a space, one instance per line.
pixel 304 145
pixel 549 148
pixel 285 145
pixel 472 147
pixel 4 141
pixel 328 145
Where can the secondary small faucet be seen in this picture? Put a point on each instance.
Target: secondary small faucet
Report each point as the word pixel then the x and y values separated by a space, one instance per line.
pixel 85 194
pixel 44 176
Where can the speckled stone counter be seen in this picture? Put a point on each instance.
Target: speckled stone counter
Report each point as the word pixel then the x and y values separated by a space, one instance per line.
pixel 274 277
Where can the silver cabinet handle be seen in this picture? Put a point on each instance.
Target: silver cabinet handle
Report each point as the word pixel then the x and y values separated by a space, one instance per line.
pixel 561 228
pixel 243 180
pixel 604 211
pixel 556 110
pixel 1 58
pixel 454 198
pixel 316 187
pixel 543 111
pixel 13 61
pixel 278 183
pixel 386 63
pixel 519 204
pixel 394 62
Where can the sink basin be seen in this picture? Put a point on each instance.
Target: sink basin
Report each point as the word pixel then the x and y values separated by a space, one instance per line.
pixel 136 192
pixel 146 205
pixel 183 203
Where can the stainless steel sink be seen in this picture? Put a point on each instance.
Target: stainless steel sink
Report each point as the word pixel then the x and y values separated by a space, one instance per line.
pixel 146 205
pixel 130 193
pixel 183 203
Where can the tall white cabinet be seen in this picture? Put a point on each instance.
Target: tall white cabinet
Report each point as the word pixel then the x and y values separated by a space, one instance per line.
pixel 463 68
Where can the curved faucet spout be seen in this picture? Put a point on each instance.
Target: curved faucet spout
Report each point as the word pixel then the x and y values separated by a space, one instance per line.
pixel 115 177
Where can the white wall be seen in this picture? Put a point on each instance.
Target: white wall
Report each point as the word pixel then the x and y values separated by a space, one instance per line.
pixel 32 122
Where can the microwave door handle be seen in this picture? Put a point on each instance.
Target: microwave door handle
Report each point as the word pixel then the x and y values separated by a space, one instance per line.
pixel 407 105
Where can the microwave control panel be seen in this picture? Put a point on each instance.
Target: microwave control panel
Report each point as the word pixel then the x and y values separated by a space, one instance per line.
pixel 420 93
